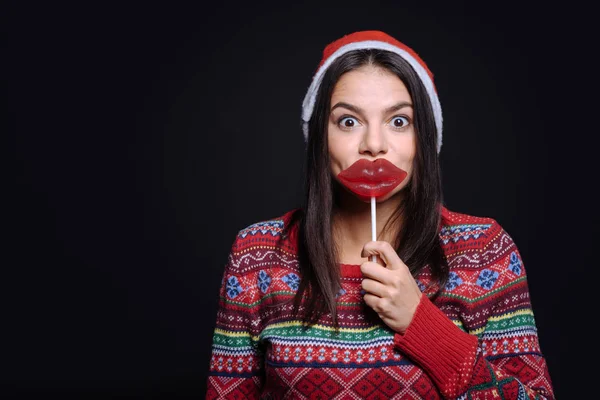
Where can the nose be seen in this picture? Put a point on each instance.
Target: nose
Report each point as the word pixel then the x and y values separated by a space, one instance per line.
pixel 374 141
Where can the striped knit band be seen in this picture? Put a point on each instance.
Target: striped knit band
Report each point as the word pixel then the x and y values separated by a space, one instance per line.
pixel 371 40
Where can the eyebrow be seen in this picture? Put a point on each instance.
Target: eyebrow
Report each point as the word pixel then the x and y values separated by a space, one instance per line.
pixel 359 110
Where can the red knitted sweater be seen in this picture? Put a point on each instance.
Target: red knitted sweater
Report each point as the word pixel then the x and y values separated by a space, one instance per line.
pixel 478 340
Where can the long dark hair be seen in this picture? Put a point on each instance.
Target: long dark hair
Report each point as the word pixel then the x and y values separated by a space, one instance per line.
pixel 421 208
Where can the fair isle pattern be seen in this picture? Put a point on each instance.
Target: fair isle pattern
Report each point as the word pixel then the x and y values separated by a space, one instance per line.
pixel 261 350
pixel 349 383
pixel 261 256
pixel 482 253
pixel 319 346
pixel 273 227
pixel 463 232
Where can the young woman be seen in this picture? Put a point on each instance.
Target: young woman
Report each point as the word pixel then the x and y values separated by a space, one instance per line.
pixel 437 307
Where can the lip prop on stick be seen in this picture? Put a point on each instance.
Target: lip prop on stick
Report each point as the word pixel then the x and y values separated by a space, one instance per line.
pixel 372 179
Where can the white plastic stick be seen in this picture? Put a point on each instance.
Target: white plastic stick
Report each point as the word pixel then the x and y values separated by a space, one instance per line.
pixel 373 224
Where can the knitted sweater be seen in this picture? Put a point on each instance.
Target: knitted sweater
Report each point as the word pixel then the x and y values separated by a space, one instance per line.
pixel 478 340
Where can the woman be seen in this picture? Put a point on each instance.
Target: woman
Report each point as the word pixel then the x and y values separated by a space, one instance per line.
pixel 443 309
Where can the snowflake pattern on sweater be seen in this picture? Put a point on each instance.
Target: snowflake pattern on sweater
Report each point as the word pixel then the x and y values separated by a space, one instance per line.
pixel 478 340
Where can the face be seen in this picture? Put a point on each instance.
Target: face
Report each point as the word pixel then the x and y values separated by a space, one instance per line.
pixel 371 117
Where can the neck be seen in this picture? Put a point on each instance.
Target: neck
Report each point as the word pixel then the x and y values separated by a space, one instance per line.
pixel 352 225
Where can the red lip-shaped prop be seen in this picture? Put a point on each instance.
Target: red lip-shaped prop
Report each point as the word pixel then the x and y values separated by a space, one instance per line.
pixel 372 178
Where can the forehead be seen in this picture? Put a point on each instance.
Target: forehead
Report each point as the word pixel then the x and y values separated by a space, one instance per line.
pixel 370 86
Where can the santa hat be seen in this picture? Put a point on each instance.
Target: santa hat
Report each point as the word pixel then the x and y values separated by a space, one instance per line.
pixel 371 40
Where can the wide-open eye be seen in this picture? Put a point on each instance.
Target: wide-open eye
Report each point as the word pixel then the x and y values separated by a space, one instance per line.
pixel 348 122
pixel 400 122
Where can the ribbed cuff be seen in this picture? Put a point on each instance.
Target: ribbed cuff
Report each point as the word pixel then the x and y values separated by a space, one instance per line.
pixel 445 353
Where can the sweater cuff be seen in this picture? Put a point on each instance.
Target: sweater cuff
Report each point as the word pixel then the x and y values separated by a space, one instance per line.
pixel 446 353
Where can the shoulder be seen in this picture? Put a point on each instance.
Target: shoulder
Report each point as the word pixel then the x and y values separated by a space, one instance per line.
pixel 265 243
pixel 486 273
pixel 475 241
pixel 262 261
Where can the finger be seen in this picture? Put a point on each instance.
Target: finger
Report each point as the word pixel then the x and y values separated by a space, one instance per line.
pixel 372 301
pixel 375 271
pixel 374 287
pixel 377 259
pixel 385 251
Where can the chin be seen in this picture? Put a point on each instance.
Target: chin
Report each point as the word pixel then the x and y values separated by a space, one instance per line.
pixel 394 194
pixel 382 199
pixel 364 199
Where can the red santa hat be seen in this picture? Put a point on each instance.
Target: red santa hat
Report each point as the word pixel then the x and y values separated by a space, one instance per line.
pixel 371 40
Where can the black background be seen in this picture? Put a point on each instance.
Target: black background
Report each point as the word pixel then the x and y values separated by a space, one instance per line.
pixel 147 135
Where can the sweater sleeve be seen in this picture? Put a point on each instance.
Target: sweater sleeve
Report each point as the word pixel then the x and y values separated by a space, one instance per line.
pixel 236 368
pixel 502 359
